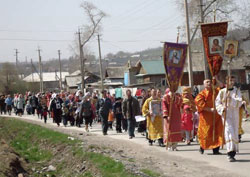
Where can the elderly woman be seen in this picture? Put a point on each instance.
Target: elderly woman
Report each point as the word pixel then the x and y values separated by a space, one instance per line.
pixel 86 110
pixel 20 105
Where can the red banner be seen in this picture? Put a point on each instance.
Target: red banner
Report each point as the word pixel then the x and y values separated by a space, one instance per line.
pixel 213 40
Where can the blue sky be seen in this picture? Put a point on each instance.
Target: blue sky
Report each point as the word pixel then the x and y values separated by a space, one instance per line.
pixel 132 25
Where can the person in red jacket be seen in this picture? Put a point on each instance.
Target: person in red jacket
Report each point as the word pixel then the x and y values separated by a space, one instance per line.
pixel 187 122
pixel 172 120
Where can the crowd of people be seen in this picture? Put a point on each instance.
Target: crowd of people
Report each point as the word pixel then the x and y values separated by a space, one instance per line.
pixel 168 119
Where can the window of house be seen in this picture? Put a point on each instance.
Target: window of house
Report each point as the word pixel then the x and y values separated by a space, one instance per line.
pixel 163 82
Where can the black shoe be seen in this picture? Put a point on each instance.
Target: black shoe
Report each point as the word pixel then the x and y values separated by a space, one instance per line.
pixel 201 151
pixel 130 137
pixel 231 159
pixel 150 142
pixel 217 153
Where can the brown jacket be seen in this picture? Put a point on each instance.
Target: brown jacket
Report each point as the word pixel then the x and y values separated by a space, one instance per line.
pixel 126 110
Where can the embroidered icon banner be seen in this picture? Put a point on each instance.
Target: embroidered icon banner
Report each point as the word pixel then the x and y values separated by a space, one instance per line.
pixel 174 56
pixel 213 35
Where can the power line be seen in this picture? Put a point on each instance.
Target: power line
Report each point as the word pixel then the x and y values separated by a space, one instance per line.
pixel 32 40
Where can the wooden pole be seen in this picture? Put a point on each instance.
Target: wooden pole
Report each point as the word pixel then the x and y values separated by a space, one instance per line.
pixel 81 60
pixel 40 69
pixel 100 61
pixel 60 64
pixel 190 66
pixel 203 50
pixel 214 113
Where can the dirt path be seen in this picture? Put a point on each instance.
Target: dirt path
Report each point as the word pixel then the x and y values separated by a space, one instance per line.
pixel 135 154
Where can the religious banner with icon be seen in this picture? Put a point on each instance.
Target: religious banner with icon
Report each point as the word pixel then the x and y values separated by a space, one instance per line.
pixel 174 56
pixel 213 34
pixel 231 48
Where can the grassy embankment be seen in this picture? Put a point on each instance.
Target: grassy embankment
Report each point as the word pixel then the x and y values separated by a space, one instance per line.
pixel 41 147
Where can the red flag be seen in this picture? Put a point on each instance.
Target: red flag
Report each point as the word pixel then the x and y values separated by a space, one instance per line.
pixel 213 40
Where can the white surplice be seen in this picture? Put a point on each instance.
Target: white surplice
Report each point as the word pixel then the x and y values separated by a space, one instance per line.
pixel 232 118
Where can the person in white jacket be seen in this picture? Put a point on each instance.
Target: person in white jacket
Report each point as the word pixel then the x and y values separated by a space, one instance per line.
pixel 234 101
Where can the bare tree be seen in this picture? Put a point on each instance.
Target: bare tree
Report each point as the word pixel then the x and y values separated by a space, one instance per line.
pixel 205 11
pixel 94 17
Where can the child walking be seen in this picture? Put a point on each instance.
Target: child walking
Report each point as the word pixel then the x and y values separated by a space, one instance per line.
pixel 187 122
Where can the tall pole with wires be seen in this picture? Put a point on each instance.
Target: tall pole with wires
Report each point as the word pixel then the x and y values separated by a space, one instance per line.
pixel 40 69
pixel 203 50
pixel 60 64
pixel 190 66
pixel 81 59
pixel 100 61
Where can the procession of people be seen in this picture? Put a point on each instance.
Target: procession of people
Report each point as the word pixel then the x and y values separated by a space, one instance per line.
pixel 211 117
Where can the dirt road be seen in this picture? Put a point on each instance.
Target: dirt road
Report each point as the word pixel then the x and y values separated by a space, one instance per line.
pixel 137 154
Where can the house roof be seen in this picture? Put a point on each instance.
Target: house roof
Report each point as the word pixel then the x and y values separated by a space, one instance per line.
pixel 47 77
pixel 72 81
pixel 153 67
pixel 116 72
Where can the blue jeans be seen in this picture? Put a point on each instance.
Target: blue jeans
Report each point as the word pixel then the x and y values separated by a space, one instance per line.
pixel 131 127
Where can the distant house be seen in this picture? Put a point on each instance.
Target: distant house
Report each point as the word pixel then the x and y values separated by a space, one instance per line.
pixel 74 80
pixel 50 79
pixel 152 71
pixel 115 74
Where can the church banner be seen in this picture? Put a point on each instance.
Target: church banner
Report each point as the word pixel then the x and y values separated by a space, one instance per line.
pixel 213 41
pixel 174 56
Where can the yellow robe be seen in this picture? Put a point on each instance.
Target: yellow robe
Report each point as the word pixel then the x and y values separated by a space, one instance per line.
pixel 154 125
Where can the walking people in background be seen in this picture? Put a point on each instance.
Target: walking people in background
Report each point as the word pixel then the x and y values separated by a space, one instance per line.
pixel 111 119
pixel 56 108
pixel 33 102
pixel 9 102
pixel 117 110
pixel 45 113
pixel 172 119
pixel 152 111
pixel 104 105
pixel 230 112
pixel 86 111
pixel 130 109
pixel 20 105
pixel 2 104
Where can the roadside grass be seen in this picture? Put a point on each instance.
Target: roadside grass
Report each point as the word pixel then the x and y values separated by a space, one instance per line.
pixel 150 173
pixel 40 147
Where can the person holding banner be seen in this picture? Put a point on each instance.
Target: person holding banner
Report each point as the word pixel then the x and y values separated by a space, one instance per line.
pixel 204 102
pixel 228 102
pixel 152 111
pixel 172 119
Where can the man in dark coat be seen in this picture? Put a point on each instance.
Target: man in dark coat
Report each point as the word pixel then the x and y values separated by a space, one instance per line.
pixel 104 105
pixel 56 108
pixel 130 109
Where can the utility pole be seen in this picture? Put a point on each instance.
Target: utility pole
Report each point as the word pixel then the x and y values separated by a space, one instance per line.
pixel 16 54
pixel 81 60
pixel 190 66
pixel 40 69
pixel 178 34
pixel 32 70
pixel 60 64
pixel 100 60
pixel 203 50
